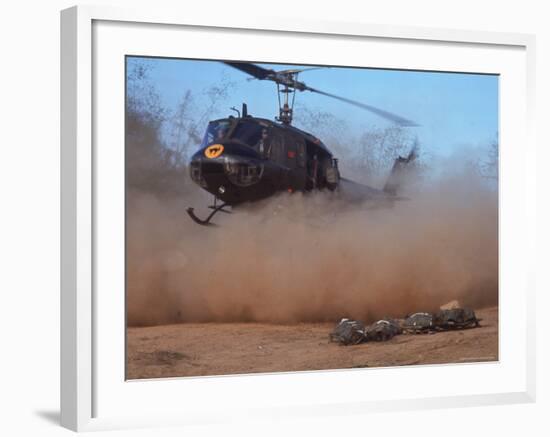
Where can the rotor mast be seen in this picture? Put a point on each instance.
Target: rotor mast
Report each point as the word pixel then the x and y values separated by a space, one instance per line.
pixel 287 82
pixel 285 110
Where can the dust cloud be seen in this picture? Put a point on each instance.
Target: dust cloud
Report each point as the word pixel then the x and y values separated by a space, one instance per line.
pixel 311 257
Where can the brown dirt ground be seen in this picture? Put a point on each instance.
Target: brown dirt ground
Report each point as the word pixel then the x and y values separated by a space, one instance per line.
pixel 199 349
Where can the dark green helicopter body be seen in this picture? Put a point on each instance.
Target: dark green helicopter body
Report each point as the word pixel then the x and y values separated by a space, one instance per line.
pixel 251 168
pixel 245 158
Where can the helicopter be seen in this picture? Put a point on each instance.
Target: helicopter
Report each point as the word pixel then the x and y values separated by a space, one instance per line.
pixel 245 158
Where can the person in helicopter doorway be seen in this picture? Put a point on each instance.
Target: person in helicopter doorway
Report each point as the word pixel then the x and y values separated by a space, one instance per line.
pixel 262 146
pixel 313 171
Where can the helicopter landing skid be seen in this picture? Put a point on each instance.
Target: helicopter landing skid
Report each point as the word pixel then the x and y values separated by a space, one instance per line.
pixel 206 222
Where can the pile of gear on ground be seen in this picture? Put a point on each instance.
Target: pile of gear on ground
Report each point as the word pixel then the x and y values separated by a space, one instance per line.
pixel 349 332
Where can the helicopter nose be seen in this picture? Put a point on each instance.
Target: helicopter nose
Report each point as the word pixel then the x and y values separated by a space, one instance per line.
pixel 195 170
pixel 204 164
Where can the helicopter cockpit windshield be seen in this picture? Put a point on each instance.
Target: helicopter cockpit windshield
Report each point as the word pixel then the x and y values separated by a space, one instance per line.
pixel 216 132
pixel 248 132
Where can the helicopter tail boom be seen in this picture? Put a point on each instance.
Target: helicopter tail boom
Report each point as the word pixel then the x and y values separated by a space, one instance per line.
pixel 398 172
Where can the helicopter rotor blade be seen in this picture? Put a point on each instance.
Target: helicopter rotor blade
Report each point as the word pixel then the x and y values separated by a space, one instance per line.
pixel 252 69
pixel 380 112
pixel 279 77
pixel 299 70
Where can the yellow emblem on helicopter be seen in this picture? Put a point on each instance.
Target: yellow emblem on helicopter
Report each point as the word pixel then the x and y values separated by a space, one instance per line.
pixel 213 151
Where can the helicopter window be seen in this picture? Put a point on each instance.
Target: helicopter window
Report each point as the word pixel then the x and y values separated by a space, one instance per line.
pixel 248 132
pixel 216 132
pixel 276 151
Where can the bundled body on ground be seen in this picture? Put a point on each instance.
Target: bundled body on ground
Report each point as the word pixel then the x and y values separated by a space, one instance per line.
pixel 354 332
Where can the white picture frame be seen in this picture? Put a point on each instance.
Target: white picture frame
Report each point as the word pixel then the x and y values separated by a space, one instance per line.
pixel 84 371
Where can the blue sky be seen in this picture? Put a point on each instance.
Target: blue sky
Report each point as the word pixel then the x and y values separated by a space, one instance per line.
pixel 454 110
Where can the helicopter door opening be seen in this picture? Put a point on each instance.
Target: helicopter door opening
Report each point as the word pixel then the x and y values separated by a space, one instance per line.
pixel 319 163
pixel 296 161
pixel 276 148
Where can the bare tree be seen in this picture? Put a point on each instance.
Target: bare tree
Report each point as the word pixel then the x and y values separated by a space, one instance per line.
pixel 377 150
pixel 146 155
pixel 380 147
pixel 159 141
pixel 488 165
pixel 187 124
pixel 215 95
pixel 367 157
pixel 181 127
pixel 333 131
